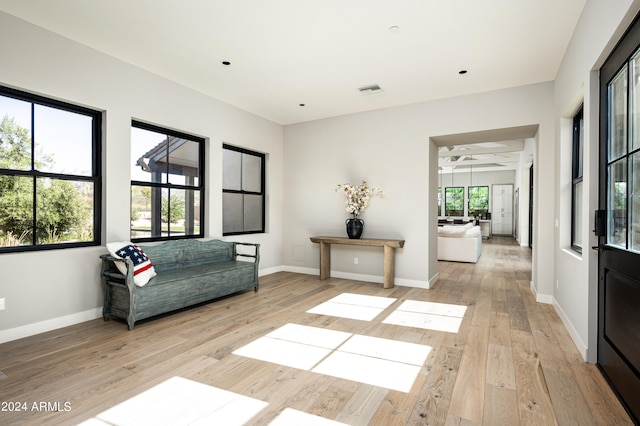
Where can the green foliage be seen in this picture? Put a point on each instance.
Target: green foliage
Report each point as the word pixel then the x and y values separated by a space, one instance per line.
pixel 16 205
pixel 177 208
pixel 454 201
pixel 478 200
pixel 64 210
pixel 620 195
pixel 61 210
pixel 15 146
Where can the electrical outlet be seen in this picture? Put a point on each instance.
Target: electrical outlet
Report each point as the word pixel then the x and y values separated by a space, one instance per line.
pixel 355 260
pixel 2 305
pixel 557 284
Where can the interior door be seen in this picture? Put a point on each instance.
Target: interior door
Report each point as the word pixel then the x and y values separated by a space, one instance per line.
pixel 619 241
pixel 531 206
pixel 502 211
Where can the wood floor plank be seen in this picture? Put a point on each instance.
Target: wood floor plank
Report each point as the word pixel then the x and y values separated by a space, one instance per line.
pixel 534 403
pixel 434 399
pixel 500 371
pixel 362 406
pixel 467 401
pixel 500 406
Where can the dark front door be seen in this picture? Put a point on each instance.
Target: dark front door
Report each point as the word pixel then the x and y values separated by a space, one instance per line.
pixel 619 257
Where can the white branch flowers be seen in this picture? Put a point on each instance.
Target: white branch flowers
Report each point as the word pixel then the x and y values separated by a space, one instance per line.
pixel 358 196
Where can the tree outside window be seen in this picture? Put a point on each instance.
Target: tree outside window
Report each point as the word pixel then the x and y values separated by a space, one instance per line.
pixel 49 173
pixel 478 200
pixel 454 201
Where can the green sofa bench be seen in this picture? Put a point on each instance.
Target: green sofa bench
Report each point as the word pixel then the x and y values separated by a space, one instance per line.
pixel 188 272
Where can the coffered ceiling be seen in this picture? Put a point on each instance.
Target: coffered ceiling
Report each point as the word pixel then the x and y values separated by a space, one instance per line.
pixel 479 157
pixel 292 60
pixel 490 150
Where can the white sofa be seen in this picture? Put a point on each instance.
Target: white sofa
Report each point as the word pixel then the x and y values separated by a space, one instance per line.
pixel 459 243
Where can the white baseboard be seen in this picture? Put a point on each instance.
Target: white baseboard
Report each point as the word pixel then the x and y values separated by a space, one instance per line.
pixel 360 277
pixel 269 271
pixel 403 282
pixel 300 270
pixel 541 298
pixel 433 280
pixel 48 325
pixel 580 345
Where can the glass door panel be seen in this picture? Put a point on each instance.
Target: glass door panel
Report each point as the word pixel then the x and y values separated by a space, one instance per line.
pixel 617 129
pixel 634 201
pixel 617 206
pixel 634 94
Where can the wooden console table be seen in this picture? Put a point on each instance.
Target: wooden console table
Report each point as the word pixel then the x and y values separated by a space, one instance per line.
pixel 389 254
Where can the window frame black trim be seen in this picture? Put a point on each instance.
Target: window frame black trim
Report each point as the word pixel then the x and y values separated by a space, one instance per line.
pixel 469 198
pixel 95 177
pixel 201 173
pixel 445 200
pixel 576 177
pixel 263 164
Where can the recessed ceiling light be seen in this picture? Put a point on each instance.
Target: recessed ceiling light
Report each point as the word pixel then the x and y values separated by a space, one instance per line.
pixel 226 63
pixel 462 72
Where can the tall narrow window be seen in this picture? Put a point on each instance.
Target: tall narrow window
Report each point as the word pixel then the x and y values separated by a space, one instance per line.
pixel 50 176
pixel 577 189
pixel 478 200
pixel 167 189
pixel 243 191
pixel 454 201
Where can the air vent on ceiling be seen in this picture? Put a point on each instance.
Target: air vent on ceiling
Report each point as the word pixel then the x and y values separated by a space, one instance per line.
pixel 370 90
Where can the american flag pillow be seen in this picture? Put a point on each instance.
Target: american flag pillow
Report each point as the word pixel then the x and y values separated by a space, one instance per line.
pixel 143 270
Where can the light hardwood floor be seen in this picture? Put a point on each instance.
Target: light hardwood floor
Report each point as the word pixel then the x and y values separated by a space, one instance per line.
pixel 511 363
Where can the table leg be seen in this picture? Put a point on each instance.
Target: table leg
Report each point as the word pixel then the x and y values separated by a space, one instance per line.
pixel 389 267
pixel 325 260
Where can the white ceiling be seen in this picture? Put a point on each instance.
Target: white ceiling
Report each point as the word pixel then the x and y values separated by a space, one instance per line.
pixel 319 52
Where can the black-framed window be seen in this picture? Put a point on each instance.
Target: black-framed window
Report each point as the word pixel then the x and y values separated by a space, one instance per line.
pixel 478 200
pixel 167 185
pixel 243 191
pixel 50 173
pixel 576 183
pixel 454 201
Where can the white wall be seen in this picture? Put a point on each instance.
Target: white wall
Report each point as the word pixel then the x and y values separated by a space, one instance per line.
pixel 44 290
pixel 390 148
pixel 575 295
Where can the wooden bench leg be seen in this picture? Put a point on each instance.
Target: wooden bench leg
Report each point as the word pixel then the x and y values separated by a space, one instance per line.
pixel 389 267
pixel 325 260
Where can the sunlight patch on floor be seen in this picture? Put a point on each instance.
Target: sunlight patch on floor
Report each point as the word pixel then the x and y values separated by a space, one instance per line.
pixel 428 315
pixel 293 345
pixel 290 417
pixel 179 401
pixel 353 306
pixel 390 364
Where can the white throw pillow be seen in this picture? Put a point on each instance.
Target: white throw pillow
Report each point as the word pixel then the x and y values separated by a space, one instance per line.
pixel 143 270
